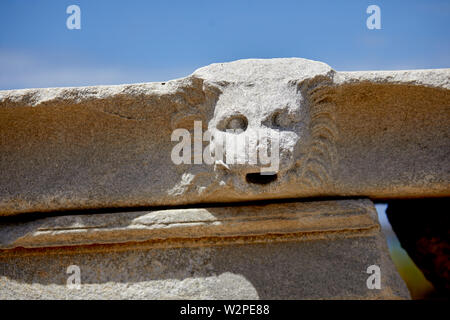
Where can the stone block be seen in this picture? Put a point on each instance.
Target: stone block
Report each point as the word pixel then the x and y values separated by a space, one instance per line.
pixel 377 134
pixel 297 250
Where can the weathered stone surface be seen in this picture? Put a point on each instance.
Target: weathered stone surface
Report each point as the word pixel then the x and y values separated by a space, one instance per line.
pixel 306 258
pixel 375 134
pixel 316 269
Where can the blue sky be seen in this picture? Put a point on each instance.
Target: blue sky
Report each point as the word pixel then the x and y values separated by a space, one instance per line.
pixel 138 41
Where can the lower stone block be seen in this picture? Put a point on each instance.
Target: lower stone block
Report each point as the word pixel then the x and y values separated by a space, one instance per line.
pixel 285 259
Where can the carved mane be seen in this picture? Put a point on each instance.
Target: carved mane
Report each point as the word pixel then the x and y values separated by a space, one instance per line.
pixel 318 166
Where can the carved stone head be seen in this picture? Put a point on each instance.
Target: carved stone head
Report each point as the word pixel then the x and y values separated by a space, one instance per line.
pixel 268 126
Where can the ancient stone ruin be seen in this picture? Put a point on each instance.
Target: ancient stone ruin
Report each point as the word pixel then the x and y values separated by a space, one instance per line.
pixel 158 191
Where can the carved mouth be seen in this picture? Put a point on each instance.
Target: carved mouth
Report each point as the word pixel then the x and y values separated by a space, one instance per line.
pixel 258 178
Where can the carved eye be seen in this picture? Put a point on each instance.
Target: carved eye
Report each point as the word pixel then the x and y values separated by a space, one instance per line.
pixel 276 121
pixel 237 122
pixel 281 120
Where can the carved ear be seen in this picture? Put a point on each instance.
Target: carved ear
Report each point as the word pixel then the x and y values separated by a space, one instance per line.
pixel 320 159
pixel 196 104
pixel 309 86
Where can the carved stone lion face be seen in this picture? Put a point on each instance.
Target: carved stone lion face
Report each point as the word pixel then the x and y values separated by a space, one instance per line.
pixel 272 130
pixel 260 121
